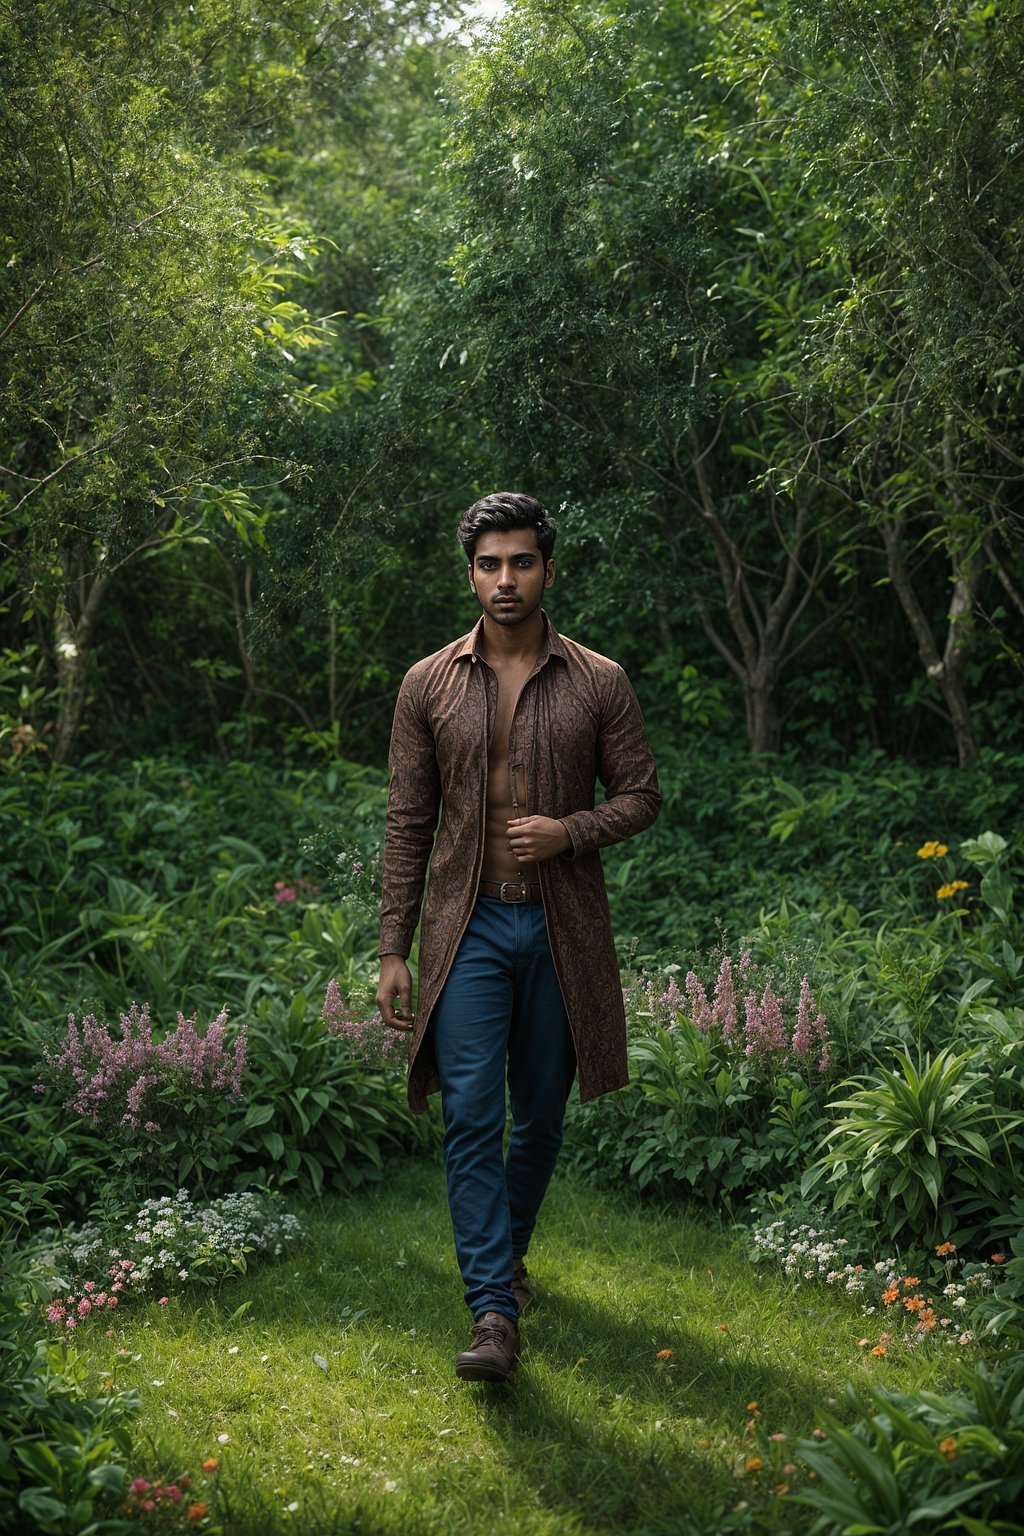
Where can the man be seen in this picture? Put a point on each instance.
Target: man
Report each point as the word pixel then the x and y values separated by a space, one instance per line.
pixel 503 734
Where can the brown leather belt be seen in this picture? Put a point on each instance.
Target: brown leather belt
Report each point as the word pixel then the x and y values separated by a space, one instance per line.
pixel 510 890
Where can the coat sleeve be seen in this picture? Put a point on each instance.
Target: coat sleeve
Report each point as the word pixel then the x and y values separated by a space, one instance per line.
pixel 625 767
pixel 414 800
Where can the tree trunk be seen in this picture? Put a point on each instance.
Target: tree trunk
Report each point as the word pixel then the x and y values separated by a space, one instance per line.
pixel 762 627
pixel 764 723
pixel 946 668
pixel 73 640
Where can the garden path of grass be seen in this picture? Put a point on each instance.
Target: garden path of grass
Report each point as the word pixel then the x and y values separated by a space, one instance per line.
pixel 597 1436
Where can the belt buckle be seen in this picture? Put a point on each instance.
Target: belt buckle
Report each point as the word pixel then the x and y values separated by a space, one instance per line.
pixel 519 885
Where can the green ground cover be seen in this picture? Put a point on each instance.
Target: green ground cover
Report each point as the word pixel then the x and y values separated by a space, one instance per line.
pixel 599 1433
pixel 236 892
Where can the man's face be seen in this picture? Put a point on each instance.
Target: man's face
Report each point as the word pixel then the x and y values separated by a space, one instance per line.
pixel 509 575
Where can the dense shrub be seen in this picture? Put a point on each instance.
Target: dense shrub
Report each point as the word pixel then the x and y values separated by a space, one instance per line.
pixel 719 1107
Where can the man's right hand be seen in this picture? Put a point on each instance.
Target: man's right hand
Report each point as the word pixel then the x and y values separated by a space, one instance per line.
pixel 395 982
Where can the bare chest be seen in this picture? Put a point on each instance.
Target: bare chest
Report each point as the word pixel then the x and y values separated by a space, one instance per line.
pixel 510 686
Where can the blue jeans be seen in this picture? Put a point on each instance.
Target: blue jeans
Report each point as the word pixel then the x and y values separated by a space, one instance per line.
pixel 501 1010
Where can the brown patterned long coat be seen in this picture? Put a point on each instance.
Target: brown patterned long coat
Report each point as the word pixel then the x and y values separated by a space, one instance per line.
pixel 576 721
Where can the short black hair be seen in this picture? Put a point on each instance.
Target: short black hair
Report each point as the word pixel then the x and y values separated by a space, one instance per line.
pixel 503 511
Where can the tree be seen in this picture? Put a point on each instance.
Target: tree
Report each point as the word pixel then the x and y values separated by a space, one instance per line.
pixel 583 305
pixel 907 121
pixel 151 344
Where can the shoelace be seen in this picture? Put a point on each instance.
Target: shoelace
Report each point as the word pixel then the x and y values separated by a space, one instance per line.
pixel 490 1333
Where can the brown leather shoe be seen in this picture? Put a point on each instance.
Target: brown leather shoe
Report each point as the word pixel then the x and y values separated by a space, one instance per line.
pixel 521 1284
pixel 494 1352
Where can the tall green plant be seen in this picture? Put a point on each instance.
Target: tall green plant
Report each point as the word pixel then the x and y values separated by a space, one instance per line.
pixel 909 1149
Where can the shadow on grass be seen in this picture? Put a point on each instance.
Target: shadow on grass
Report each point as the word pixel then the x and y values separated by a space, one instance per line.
pixel 598 1431
pixel 598 1434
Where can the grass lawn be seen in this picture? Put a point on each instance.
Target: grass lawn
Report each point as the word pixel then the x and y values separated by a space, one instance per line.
pixel 598 1434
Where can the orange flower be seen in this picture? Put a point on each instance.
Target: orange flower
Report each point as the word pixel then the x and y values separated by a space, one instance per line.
pixel 927 1320
pixel 948 1447
pixel 999 1258
pixel 198 1511
pixel 781 1488
pixel 722 1327
pixel 879 1350
pixel 914 1303
pixel 945 1248
pixel 664 1354
pixel 754 1463
pixel 891 1295
pixel 753 1408
pixel 910 1281
pixel 211 1464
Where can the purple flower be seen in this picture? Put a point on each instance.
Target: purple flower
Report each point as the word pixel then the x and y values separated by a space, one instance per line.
pixel 700 1008
pixel 811 1027
pixel 369 1040
pixel 724 1011
pixel 118 1080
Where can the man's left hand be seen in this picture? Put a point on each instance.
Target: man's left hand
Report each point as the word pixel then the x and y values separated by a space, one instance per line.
pixel 535 838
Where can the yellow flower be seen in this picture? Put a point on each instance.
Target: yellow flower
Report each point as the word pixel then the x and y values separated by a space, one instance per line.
pixel 754 1463
pixel 945 891
pixel 932 851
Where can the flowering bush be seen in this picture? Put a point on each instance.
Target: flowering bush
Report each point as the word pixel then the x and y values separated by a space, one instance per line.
pixel 171 1503
pixel 369 1040
pixel 160 1100
pixel 724 1108
pixel 912 1309
pixel 913 1458
pixel 764 1036
pixel 168 1244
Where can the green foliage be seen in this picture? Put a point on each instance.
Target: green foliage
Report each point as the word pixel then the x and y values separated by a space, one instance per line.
pixel 140 885
pixel 702 1116
pixel 63 1442
pixel 697 1123
pixel 317 1117
pixel 949 1460
pixel 910 1149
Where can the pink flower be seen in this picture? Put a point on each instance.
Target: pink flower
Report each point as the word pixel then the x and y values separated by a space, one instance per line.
pixel 700 1008
pixel 90 1285
pixel 71 1322
pixel 811 1027
pixel 140 1486
pixel 172 1492
pixel 84 1307
pixel 163 1301
pixel 111 1301
pixel 672 997
pixel 724 1011
pixel 283 893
